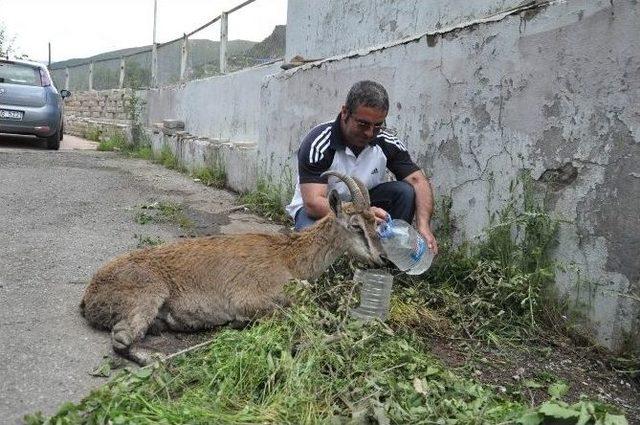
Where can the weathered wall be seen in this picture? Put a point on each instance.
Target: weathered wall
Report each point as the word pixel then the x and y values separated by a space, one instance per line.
pixel 320 29
pixel 107 110
pixel 221 107
pixel 553 90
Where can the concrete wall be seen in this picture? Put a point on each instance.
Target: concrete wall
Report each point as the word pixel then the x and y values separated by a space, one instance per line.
pixel 553 90
pixel 320 29
pixel 237 159
pixel 224 107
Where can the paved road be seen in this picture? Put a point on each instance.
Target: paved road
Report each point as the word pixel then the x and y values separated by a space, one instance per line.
pixel 63 214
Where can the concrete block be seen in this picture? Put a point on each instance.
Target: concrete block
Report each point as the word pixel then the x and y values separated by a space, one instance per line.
pixel 173 124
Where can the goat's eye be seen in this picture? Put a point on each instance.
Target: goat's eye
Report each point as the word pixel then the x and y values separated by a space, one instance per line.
pixel 355 228
pixel 354 224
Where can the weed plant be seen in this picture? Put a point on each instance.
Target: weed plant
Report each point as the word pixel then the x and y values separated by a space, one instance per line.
pixel 115 142
pixel 163 212
pixel 145 241
pixel 93 134
pixel 497 289
pixel 267 200
pixel 211 176
pixel 169 160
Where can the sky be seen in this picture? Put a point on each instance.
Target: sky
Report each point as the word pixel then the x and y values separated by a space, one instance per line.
pixel 83 28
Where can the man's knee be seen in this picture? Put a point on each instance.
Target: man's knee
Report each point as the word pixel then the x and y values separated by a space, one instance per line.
pixel 396 197
pixel 302 220
pixel 404 191
pixel 395 191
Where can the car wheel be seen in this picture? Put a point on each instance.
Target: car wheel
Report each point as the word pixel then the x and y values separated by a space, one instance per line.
pixel 53 141
pixel 61 131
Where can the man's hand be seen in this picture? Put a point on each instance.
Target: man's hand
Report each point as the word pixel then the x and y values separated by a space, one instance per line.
pixel 432 243
pixel 379 214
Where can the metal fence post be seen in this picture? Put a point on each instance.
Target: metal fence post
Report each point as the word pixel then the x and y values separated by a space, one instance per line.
pixel 91 76
pixel 154 50
pixel 154 65
pixel 66 78
pixel 121 82
pixel 224 35
pixel 184 57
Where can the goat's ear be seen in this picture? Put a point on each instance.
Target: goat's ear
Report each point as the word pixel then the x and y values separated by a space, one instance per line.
pixel 335 202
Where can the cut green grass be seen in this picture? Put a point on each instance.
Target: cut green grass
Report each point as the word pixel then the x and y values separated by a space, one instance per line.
pixel 307 365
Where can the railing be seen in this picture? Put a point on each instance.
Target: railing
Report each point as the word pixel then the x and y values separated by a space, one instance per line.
pixel 181 59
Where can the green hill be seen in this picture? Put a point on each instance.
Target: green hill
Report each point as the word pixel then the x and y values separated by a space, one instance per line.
pixel 204 60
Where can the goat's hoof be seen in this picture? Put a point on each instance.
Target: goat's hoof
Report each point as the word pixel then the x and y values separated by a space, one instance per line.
pixel 121 339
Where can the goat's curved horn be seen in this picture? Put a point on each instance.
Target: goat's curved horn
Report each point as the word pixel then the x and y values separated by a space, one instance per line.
pixel 354 188
pixel 364 191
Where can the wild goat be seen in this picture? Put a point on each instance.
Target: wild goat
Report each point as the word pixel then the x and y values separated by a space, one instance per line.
pixel 207 282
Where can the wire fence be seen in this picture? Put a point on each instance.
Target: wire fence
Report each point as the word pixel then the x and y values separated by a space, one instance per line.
pixel 203 52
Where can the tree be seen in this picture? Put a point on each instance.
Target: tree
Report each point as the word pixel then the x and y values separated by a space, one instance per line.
pixel 7 44
pixel 3 36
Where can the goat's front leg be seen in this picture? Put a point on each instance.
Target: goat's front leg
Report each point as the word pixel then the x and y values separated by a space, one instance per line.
pixel 133 328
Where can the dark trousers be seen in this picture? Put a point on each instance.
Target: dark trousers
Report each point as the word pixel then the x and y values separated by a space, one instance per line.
pixel 396 197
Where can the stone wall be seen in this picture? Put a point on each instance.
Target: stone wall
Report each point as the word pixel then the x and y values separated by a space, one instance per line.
pixel 108 111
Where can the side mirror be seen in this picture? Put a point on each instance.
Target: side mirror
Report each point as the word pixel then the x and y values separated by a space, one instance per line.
pixel 65 93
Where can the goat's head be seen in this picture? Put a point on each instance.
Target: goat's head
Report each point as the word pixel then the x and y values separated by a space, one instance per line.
pixel 356 221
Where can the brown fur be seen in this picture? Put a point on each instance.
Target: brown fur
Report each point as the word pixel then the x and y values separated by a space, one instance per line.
pixel 207 282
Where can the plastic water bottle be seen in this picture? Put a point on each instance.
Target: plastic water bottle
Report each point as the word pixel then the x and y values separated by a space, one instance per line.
pixel 375 294
pixel 404 246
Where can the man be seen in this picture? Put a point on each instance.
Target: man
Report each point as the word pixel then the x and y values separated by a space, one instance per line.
pixel 358 145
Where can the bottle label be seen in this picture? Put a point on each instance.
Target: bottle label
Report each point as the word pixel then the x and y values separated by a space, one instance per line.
pixel 419 249
pixel 385 230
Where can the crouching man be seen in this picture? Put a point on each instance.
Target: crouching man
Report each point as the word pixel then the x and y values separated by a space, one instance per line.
pixel 357 144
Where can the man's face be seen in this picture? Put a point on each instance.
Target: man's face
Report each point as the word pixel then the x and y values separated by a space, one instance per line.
pixel 359 128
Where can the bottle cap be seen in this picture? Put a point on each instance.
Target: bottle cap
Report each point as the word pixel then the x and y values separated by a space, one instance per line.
pixel 385 231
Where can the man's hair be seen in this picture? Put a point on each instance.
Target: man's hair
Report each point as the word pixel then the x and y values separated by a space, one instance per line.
pixel 367 93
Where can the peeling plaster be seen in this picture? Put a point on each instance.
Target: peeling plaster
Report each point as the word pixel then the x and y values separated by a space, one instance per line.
pixel 449 32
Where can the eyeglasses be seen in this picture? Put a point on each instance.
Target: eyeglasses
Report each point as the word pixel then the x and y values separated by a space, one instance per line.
pixel 366 125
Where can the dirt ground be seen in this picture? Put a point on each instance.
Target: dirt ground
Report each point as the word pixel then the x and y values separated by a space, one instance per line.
pixel 519 370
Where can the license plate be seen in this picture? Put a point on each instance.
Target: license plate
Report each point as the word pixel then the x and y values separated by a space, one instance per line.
pixel 11 115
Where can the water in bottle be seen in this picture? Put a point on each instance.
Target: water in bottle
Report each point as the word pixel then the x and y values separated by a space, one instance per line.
pixel 404 246
pixel 375 294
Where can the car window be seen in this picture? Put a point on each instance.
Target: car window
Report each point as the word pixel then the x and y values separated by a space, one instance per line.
pixel 14 73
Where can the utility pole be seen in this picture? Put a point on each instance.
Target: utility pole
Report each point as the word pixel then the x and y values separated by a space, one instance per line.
pixel 49 65
pixel 154 49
